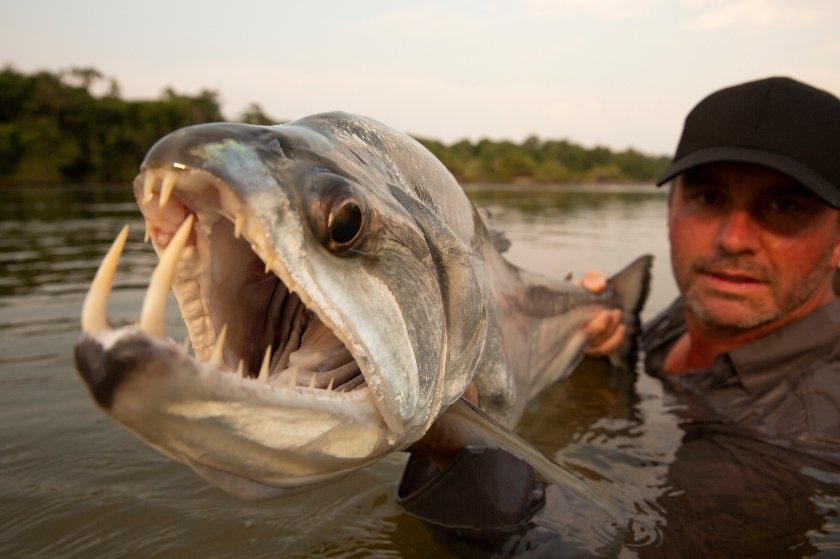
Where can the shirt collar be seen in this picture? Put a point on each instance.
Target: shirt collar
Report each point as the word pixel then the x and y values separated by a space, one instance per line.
pixel 766 360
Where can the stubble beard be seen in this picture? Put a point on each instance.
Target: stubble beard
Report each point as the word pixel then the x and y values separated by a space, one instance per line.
pixel 754 312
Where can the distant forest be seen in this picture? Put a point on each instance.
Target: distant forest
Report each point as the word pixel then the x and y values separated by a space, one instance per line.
pixel 73 125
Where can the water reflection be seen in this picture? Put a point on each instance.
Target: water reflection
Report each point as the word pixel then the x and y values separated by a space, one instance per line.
pixel 619 432
pixel 75 485
pixel 732 496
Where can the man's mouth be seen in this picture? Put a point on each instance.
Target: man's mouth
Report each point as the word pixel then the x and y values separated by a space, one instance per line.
pixel 733 277
pixel 730 281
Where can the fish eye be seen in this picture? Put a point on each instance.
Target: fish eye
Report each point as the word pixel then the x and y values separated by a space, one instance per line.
pixel 344 224
pixel 337 212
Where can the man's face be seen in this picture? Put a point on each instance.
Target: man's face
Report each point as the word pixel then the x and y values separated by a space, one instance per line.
pixel 749 246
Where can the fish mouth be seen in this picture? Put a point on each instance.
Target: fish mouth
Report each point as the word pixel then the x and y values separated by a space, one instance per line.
pixel 242 310
pixel 276 393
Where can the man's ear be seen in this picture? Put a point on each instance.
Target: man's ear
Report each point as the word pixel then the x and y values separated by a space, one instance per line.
pixel 835 255
pixel 835 260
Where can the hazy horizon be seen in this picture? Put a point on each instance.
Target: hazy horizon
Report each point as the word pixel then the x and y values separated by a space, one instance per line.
pixel 597 72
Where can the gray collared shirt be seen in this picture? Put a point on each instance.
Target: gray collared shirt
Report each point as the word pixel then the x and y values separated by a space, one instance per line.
pixel 783 388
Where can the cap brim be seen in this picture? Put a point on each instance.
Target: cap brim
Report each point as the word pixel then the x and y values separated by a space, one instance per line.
pixel 802 174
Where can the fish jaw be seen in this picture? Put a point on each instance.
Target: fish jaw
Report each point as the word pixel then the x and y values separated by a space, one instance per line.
pixel 252 439
pixel 251 436
pixel 256 434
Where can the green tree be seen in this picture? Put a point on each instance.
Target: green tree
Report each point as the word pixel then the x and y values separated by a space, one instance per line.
pixel 53 127
pixel 253 114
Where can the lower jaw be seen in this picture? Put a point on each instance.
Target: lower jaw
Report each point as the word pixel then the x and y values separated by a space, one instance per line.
pixel 730 311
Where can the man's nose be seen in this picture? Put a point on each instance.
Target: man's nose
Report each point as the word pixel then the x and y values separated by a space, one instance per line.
pixel 738 232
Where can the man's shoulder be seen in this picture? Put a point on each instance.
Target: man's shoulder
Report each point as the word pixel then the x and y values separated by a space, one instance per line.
pixel 808 344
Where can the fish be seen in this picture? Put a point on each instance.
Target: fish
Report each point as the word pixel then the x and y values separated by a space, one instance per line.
pixel 340 293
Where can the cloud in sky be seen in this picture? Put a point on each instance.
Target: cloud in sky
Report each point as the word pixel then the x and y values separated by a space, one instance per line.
pixel 604 9
pixel 762 13
pixel 708 14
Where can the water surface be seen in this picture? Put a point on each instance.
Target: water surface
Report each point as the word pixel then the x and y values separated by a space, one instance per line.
pixel 76 485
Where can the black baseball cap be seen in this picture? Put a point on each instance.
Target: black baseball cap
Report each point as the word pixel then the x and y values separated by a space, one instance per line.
pixel 779 123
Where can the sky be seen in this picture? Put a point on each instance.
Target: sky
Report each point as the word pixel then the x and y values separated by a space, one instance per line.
pixel 616 73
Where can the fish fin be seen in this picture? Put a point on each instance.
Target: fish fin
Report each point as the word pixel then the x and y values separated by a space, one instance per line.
pixel 631 286
pixel 464 424
pixel 500 240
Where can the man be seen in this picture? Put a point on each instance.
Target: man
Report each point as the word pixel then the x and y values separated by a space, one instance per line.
pixel 754 229
pixel 752 343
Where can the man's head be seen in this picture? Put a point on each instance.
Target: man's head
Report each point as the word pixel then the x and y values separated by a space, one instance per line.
pixel 753 218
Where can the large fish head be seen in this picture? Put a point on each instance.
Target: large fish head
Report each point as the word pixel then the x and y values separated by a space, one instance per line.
pixel 332 313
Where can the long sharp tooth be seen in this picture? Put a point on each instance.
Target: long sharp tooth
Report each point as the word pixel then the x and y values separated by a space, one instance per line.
pixel 148 184
pixel 96 301
pixel 312 381
pixel 330 385
pixel 263 377
pixel 167 187
pixel 153 313
pixel 293 377
pixel 238 224
pixel 240 369
pixel 216 357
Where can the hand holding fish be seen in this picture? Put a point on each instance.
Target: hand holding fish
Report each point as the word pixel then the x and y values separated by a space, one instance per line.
pixel 606 329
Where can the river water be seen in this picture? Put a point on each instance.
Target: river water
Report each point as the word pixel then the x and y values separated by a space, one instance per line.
pixel 74 484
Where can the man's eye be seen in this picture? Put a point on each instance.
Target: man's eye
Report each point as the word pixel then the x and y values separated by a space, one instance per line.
pixel 708 197
pixel 784 205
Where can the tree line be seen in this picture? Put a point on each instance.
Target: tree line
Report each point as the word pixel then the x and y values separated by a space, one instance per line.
pixel 73 125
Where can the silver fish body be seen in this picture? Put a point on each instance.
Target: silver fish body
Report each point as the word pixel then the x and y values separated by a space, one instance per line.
pixel 340 293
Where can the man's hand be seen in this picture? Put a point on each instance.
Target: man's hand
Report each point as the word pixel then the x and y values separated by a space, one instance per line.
pixel 606 331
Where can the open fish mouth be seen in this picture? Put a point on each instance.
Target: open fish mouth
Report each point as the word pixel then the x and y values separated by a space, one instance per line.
pixel 263 350
pixel 239 312
pixel 241 316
